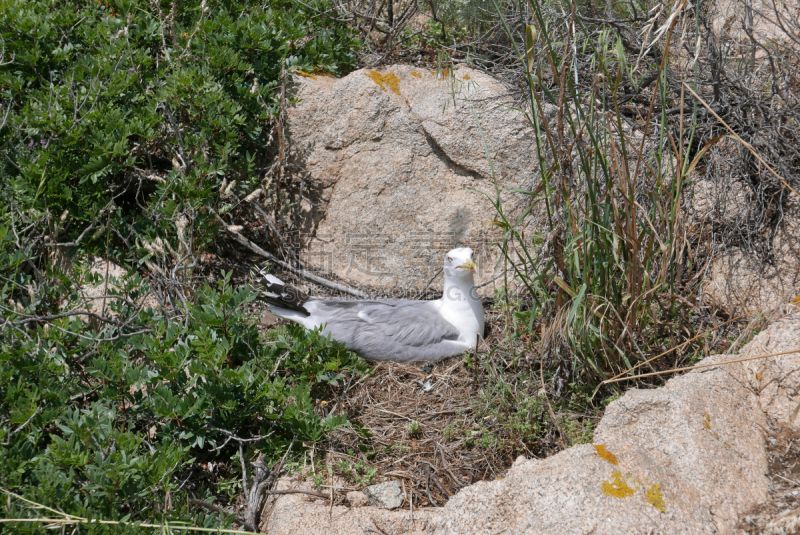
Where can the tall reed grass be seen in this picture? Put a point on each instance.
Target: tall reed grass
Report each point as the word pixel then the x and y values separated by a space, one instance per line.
pixel 607 275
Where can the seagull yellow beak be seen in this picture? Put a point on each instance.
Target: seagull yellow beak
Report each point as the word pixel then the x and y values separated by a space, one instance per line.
pixel 469 265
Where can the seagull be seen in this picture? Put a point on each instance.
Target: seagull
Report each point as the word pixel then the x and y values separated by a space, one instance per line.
pixel 393 329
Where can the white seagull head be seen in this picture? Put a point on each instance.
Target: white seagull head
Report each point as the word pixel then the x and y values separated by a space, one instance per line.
pixel 459 264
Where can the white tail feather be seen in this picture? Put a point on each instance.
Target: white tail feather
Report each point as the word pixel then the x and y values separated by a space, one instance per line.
pixel 272 278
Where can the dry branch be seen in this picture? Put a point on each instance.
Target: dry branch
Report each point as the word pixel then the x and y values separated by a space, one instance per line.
pixel 699 366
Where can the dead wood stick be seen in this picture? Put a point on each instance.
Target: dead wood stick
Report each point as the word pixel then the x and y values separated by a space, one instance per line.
pixel 439 448
pixel 254 497
pixel 297 271
pixel 314 493
pixel 263 478
pixel 209 506
pixel 549 406
pixel 395 414
pixel 378 527
pixel 444 490
pixel 428 485
pixel 274 228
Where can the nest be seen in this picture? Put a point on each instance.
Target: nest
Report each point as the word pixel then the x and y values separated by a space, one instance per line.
pixel 417 423
pixel 439 427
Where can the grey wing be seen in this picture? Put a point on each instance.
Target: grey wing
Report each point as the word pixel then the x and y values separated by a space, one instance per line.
pixel 400 330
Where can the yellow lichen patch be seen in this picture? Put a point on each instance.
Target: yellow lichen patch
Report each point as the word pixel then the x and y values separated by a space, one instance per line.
pixel 655 497
pixel 418 75
pixel 466 77
pixel 385 80
pixel 759 376
pixel 707 421
pixel 393 82
pixel 376 77
pixel 605 454
pixel 306 74
pixel 727 446
pixel 617 487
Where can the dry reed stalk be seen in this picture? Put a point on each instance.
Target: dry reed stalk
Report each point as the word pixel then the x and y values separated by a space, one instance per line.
pixel 699 366
pixel 68 519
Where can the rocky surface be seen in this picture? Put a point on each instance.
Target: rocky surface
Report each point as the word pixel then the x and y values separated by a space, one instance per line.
pixel 732 19
pixel 295 514
pixel 671 460
pixel 357 499
pixel 689 457
pixel 406 135
pixel 385 495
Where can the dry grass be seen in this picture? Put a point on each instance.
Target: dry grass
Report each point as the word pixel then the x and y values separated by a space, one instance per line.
pixel 421 424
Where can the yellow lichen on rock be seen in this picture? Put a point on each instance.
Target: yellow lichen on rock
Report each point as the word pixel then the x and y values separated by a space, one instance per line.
pixel 617 487
pixel 707 421
pixel 418 75
pixel 707 424
pixel 655 497
pixel 605 454
pixel 466 77
pixel 376 77
pixel 389 80
pixel 306 74
pixel 392 81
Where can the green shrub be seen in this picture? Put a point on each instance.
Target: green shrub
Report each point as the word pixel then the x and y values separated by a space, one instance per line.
pixel 120 121
pixel 113 423
pixel 131 101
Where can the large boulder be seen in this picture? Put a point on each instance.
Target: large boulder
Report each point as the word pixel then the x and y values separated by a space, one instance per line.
pixel 399 160
pixel 689 457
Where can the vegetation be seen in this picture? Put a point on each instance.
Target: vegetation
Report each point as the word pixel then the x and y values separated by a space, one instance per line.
pixel 116 422
pixel 612 204
pixel 135 133
pixel 608 257
pixel 126 128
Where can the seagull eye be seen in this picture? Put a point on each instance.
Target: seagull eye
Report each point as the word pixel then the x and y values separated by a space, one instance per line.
pixel 449 259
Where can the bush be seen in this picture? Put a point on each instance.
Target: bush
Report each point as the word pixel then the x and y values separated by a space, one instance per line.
pixel 117 423
pixel 124 128
pixel 124 102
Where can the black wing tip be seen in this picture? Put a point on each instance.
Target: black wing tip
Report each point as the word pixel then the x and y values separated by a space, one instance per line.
pixel 284 295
